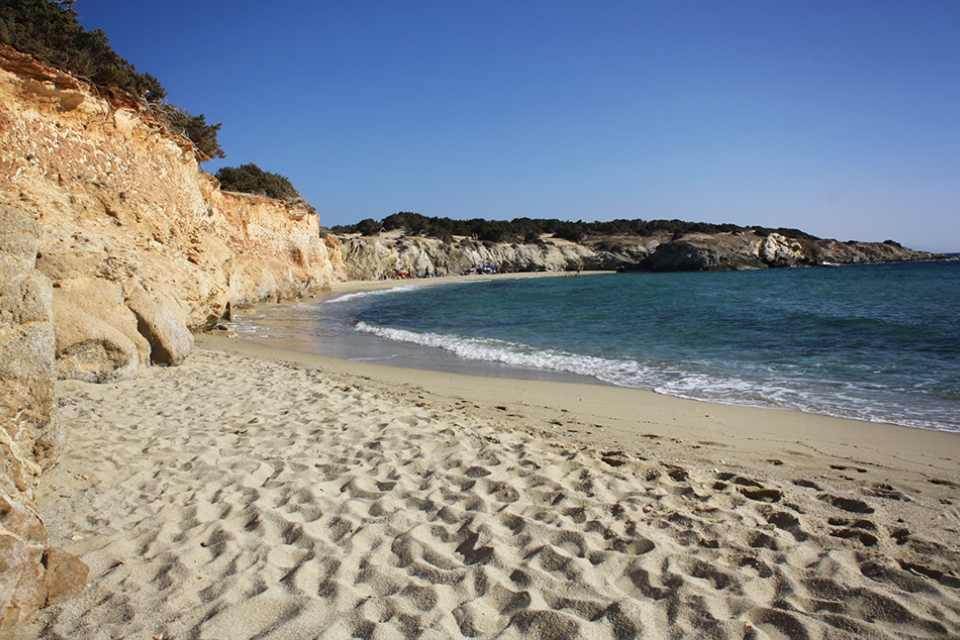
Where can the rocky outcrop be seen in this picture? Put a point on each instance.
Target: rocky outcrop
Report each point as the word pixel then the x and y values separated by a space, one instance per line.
pixel 739 250
pixel 834 252
pixel 32 575
pixel 379 257
pixel 725 252
pixel 141 245
pixel 371 258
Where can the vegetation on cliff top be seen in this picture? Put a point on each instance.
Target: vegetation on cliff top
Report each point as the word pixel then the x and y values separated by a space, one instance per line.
pixel 249 178
pixel 49 31
pixel 529 230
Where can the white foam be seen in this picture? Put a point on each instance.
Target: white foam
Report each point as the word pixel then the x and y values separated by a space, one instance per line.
pixel 696 381
pixel 376 292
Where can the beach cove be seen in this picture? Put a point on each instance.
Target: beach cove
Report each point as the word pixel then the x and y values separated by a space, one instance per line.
pixel 256 492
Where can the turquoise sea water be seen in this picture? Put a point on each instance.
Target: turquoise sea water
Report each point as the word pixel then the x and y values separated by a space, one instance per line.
pixel 872 342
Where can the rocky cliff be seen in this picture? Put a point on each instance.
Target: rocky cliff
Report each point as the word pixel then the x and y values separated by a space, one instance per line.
pixel 32 575
pixel 381 257
pixel 114 247
pixel 140 244
pixel 370 258
pixel 752 250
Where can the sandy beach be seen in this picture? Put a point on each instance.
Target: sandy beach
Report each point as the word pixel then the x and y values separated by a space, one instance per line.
pixel 260 493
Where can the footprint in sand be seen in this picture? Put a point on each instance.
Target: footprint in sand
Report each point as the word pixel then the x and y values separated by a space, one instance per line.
pixel 847 504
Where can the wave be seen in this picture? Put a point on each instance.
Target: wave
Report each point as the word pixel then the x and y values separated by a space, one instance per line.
pixel 375 292
pixel 493 350
pixel 693 380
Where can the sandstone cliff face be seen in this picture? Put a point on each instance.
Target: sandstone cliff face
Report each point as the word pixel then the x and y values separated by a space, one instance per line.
pixel 32 575
pixel 140 244
pixel 114 247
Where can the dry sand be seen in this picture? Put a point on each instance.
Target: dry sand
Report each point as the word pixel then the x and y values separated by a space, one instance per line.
pixel 256 493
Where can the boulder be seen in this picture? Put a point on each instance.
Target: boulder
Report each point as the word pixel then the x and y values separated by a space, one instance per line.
pixel 778 251
pixel 91 348
pixel 164 325
pixel 33 577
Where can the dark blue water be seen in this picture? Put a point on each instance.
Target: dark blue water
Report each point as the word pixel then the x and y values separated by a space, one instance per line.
pixel 872 342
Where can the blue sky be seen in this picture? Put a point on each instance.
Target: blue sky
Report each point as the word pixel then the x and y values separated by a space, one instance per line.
pixel 838 118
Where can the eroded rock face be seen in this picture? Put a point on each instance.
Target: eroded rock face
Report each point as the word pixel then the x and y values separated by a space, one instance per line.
pixel 31 437
pixel 28 403
pixel 777 251
pixel 97 334
pixel 141 244
pixel 371 258
pixel 376 258
pixel 114 246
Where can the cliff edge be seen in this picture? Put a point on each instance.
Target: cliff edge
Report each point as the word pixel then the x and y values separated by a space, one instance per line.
pixel 114 248
pixel 140 244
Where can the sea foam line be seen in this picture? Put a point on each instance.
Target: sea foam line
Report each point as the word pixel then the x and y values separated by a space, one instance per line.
pixel 674 380
pixel 376 292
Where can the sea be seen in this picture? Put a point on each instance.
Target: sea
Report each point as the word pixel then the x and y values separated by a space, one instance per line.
pixel 870 342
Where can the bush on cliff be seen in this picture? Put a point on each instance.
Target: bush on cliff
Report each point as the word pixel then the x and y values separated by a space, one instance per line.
pixel 369 227
pixel 49 31
pixel 193 128
pixel 249 178
pixel 572 231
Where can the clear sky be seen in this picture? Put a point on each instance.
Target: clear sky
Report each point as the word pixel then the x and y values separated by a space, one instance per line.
pixel 840 118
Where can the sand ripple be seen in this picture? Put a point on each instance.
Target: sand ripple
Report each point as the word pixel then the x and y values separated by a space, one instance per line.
pixel 234 498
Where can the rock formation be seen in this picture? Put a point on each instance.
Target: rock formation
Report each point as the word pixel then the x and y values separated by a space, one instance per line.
pixel 114 247
pixel 370 258
pixel 750 250
pixel 141 245
pixel 378 257
pixel 31 574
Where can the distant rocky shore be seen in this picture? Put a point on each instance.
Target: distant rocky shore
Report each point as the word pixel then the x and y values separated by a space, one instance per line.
pixel 387 254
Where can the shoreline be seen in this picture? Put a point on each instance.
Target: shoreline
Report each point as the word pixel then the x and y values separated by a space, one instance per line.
pixel 262 493
pixel 513 385
pixel 607 416
pixel 849 444
pixel 441 361
pixel 451 363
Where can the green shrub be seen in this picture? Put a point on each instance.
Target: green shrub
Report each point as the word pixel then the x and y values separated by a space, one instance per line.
pixel 193 128
pixel 368 227
pixel 49 31
pixel 531 237
pixel 249 178
pixel 572 231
